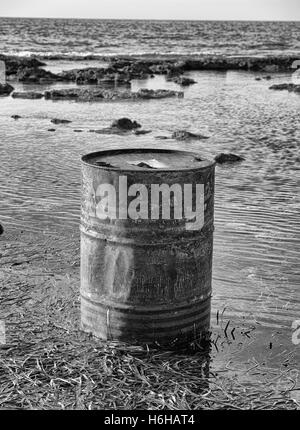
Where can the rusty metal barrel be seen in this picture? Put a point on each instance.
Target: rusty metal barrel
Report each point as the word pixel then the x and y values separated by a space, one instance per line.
pixel 146 245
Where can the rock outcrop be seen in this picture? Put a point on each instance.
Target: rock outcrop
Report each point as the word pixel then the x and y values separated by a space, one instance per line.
pixel 125 124
pixel 36 75
pixel 13 64
pixel 289 87
pixel 95 76
pixel 228 158
pixel 30 95
pixel 100 94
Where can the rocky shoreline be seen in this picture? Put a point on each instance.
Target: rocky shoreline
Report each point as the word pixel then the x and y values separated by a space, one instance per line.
pixel 268 63
pixel 28 69
pixel 120 71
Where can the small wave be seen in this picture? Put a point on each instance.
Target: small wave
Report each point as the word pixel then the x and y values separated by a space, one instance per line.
pixel 79 56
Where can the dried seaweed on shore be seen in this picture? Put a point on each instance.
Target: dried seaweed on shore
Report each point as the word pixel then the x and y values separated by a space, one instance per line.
pixel 48 363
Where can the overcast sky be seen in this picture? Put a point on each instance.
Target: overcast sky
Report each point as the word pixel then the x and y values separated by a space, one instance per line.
pixel 155 9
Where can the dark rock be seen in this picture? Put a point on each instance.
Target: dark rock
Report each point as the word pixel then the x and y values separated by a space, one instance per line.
pixel 36 75
pixel 267 78
pixel 78 131
pixel 16 117
pixel 182 80
pixel 141 132
pixel 5 89
pixel 100 94
pixel 30 95
pixel 162 137
pixel 270 64
pixel 95 76
pixel 82 76
pixel 1 230
pixel 228 158
pixel 289 87
pixel 281 87
pixel 122 126
pixel 125 124
pixel 51 129
pixel 186 135
pixel 137 69
pixel 60 121
pixel 68 94
pixel 258 79
pixel 13 64
pixel 156 94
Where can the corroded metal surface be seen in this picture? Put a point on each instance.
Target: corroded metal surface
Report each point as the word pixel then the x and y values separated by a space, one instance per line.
pixel 145 280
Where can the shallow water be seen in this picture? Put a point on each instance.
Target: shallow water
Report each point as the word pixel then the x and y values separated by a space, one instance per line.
pixel 256 254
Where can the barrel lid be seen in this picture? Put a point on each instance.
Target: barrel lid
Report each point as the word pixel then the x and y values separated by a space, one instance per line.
pixel 146 159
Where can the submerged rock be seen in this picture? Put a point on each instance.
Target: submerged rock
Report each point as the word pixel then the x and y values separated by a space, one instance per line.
pixel 228 158
pixel 125 124
pixel 30 95
pixel 185 135
pixel 15 117
pixel 60 121
pixel 6 89
pixel 182 80
pixel 289 87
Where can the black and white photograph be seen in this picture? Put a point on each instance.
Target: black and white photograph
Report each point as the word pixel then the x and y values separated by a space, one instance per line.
pixel 150 208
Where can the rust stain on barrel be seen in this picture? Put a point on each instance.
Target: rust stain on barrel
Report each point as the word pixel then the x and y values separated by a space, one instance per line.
pixel 145 280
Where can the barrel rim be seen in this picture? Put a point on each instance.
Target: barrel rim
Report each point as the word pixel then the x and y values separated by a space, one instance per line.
pixel 206 163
